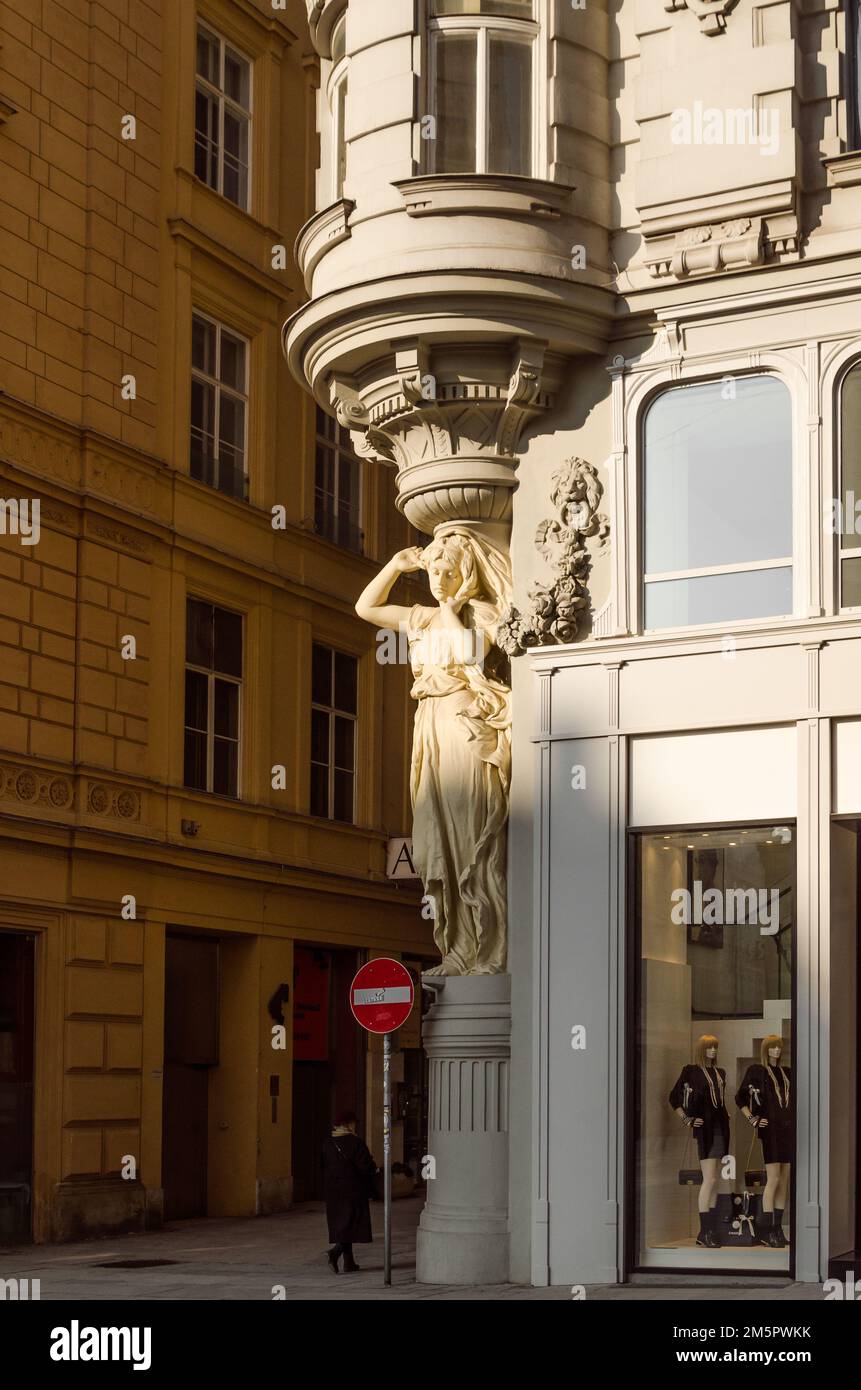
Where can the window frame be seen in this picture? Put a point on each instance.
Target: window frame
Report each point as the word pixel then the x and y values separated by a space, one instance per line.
pixel 223 100
pixel 196 373
pixel 333 712
pixel 723 625
pixel 336 83
pixel 339 450
pixel 527 31
pixel 212 675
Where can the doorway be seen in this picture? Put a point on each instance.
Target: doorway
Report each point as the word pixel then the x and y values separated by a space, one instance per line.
pixel 191 1005
pixel 17 1018
pixel 328 1058
pixel 844 1234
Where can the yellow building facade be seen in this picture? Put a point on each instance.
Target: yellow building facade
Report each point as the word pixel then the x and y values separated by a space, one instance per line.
pixel 201 760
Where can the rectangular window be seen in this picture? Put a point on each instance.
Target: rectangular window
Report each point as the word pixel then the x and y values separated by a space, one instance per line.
pixel 334 695
pixel 717 500
pixel 219 407
pixel 483 84
pixel 337 486
pixel 714 959
pixel 850 489
pixel 213 689
pixel 222 117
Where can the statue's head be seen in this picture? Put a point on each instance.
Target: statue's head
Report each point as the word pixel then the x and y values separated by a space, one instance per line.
pixel 451 569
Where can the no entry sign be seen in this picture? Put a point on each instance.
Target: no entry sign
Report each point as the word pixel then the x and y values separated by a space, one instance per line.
pixel 381 995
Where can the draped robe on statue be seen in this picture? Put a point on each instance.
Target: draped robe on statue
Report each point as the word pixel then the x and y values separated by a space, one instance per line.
pixel 461 769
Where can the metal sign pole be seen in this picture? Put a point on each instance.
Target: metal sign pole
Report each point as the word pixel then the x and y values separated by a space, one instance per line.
pixel 387 1165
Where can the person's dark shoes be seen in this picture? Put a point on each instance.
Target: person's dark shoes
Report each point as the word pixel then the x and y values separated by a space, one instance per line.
pixel 332 1257
pixel 713 1240
pixel 702 1238
pixel 350 1266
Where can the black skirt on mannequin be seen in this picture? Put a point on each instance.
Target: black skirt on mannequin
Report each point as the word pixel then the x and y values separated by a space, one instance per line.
pixel 767 1093
pixel 699 1091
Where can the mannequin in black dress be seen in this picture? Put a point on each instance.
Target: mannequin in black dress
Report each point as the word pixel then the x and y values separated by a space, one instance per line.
pixel 765 1099
pixel 698 1100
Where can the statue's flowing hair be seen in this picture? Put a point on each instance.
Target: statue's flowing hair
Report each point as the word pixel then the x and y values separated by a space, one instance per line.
pixel 485 569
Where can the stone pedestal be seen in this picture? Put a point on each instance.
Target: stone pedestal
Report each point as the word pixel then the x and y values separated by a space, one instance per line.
pixel 463 1233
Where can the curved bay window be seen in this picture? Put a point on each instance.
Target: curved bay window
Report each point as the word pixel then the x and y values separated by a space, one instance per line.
pixel 482 81
pixel 717 503
pixel 714 1100
pixel 849 523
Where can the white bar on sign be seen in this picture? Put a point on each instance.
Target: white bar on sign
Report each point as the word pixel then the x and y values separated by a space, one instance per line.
pixel 397 994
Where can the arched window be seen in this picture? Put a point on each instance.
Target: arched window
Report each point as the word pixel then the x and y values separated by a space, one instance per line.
pixel 849 527
pixel 717 503
pixel 482 84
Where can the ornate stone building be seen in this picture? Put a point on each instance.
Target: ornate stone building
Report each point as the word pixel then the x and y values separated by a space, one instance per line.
pixel 588 277
pixel 200 757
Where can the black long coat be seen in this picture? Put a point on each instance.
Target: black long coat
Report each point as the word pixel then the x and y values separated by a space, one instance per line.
pixel 693 1094
pixel 770 1097
pixel 348 1169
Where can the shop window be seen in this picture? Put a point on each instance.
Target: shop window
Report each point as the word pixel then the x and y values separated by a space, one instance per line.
pixel 213 690
pixel 222 116
pixel 337 485
pixel 849 523
pixel 334 694
pixel 219 407
pixel 717 501
pixel 714 948
pixel 482 62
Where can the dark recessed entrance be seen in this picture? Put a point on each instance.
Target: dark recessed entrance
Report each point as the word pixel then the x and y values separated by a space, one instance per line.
pixel 16 1086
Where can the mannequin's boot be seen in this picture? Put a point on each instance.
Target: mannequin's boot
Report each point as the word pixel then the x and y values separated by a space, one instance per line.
pixel 778 1224
pixel 713 1240
pixel 703 1237
pixel 770 1234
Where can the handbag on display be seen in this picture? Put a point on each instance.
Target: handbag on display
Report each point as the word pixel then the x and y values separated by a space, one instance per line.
pixel 738 1213
pixel 754 1177
pixel 689 1177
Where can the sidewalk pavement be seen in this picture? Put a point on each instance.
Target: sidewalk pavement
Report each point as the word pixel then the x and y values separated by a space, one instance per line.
pixel 247 1259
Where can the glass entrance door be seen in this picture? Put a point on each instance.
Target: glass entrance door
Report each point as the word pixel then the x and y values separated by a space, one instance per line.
pixel 713 1097
pixel 16 1085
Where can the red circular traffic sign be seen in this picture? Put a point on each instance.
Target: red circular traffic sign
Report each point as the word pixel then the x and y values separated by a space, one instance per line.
pixel 381 995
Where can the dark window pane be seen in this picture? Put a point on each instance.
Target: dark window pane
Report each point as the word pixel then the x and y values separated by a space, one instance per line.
pixel 319 736
pixel 455 103
pixel 202 419
pixel 345 733
pixel 345 682
pixel 237 78
pixel 225 767
pixel 321 675
pixel 227 709
pixel 206 138
pixel 207 56
pixel 198 633
pixel 343 808
pixel 232 364
pixel 510 150
pixel 196 700
pixel 319 790
pixel 231 429
pixel 195 761
pixel 228 642
pixel 326 426
pixel 203 345
pixel 851 587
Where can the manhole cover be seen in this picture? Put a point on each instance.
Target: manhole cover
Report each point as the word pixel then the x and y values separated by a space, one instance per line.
pixel 134 1264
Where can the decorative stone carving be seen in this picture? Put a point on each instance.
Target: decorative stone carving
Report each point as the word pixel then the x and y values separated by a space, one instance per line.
pixel 461 761
pixel 555 610
pixel 43 453
pixel 104 799
pixel 710 13
pixel 121 482
pixel 34 787
pixel 452 434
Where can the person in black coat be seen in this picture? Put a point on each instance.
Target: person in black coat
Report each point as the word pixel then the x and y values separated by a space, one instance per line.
pixel 765 1099
pixel 348 1173
pixel 698 1100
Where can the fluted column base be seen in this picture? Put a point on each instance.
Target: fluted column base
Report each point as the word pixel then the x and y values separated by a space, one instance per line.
pixel 463 1232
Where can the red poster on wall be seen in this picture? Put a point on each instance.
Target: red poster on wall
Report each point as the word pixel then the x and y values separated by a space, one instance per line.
pixel 311 973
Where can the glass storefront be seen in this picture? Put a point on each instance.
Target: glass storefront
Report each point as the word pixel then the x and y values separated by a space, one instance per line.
pixel 714 961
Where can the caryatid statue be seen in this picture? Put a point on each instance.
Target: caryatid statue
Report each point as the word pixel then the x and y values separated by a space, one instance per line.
pixel 461 758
